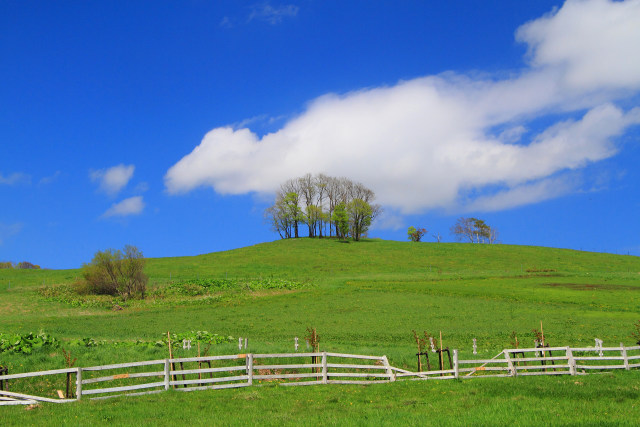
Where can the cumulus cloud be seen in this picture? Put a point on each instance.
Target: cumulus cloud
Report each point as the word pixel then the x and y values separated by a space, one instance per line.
pixel 131 206
pixel 14 179
pixel 113 179
pixel 452 141
pixel 592 41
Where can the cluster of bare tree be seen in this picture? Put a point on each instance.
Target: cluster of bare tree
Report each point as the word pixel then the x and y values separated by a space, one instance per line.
pixel 328 206
pixel 474 230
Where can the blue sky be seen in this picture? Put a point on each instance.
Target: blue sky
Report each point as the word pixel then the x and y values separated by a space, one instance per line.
pixel 168 125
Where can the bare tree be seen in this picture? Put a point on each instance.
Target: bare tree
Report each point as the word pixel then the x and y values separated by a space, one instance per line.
pixel 474 230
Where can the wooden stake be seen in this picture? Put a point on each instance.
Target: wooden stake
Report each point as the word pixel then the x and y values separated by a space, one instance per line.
pixel 170 355
pixel 441 358
pixel 199 362
pixel 542 333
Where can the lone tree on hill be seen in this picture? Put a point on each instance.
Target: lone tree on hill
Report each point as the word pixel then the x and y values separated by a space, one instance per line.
pixel 474 230
pixel 415 234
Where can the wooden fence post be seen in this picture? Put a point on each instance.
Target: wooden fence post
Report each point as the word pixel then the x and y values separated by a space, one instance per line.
pixel 512 368
pixel 324 367
pixel 250 368
pixel 388 366
pixel 167 374
pixel 79 384
pixel 623 350
pixel 571 361
pixel 455 364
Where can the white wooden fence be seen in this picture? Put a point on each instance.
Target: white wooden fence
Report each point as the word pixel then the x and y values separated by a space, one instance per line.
pixel 242 370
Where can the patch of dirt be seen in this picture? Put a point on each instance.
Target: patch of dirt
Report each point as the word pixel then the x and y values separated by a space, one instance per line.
pixel 592 287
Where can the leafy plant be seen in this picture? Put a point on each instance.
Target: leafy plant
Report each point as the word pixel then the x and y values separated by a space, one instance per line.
pixel 25 344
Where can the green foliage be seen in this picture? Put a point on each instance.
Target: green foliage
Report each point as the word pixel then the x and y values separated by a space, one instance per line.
pixel 341 220
pixel 195 287
pixel 360 217
pixel 26 343
pixel 112 272
pixel 415 234
pixel 6 264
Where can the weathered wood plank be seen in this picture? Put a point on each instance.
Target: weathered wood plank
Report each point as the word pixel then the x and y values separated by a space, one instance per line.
pixel 284 376
pixel 208 358
pixel 598 357
pixel 124 365
pixel 116 377
pixel 207 370
pixel 354 356
pixel 300 366
pixel 211 380
pixel 344 366
pixel 123 388
pixel 537 367
pixel 280 355
pixel 38 373
pixel 29 396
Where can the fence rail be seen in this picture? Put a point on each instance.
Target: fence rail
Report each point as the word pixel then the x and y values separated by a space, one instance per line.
pixel 243 370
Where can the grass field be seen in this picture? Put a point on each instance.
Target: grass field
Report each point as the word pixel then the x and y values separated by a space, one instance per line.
pixel 363 297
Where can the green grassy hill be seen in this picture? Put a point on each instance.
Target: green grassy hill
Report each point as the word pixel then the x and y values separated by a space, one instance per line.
pixel 363 297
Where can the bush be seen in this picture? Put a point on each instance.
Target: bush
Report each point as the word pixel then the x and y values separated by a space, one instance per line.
pixel 26 265
pixel 114 272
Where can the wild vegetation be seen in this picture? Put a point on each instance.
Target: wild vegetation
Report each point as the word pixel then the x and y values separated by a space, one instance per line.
pixel 363 297
pixel 114 272
pixel 25 265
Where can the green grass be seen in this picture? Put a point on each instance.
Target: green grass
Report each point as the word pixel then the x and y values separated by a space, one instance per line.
pixel 362 297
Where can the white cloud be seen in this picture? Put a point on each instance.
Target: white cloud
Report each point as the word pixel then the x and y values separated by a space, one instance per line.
pixel 131 206
pixel 594 41
pixel 50 179
pixel 430 142
pixel 272 15
pixel 8 230
pixel 113 179
pixel 14 179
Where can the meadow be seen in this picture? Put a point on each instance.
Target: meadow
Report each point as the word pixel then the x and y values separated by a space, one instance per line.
pixel 362 297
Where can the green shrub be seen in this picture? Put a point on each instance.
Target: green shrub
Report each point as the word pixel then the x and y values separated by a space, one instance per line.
pixel 114 272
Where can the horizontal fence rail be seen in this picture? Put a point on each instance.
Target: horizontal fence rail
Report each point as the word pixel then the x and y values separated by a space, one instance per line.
pixel 292 369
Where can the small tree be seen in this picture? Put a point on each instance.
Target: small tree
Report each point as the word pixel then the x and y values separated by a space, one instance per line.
pixel 341 220
pixel 474 230
pixel 26 265
pixel 113 272
pixel 360 217
pixel 415 234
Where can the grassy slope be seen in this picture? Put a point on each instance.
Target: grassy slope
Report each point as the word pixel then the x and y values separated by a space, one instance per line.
pixel 366 297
